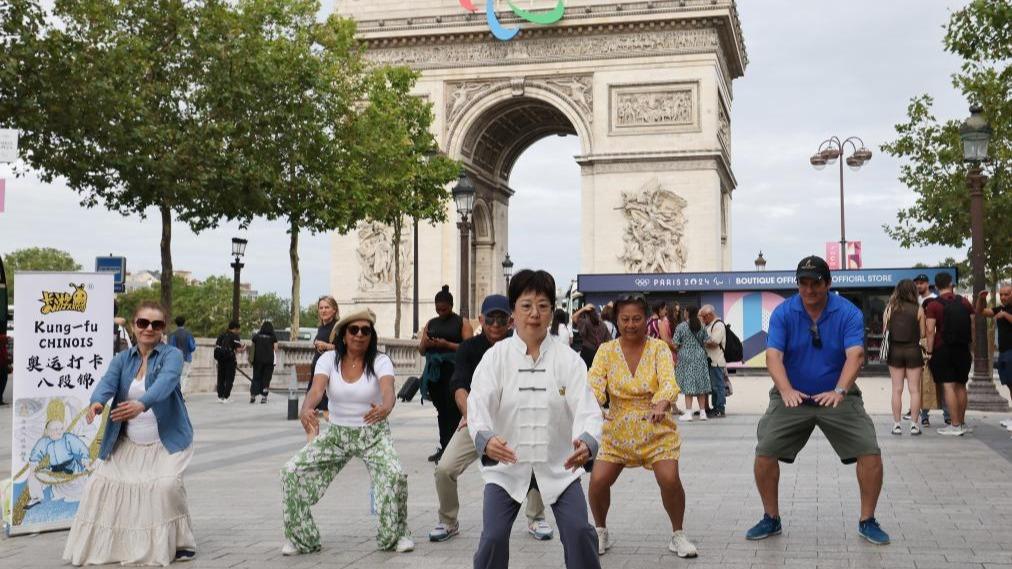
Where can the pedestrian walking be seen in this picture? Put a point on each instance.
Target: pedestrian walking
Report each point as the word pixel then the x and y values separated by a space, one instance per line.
pixel 1002 315
pixel 328 313
pixel 263 344
pixel 134 510
pixel 560 327
pixel 716 331
pixel 440 339
pixel 535 424
pixel 592 330
pixel 814 353
pixel 184 341
pixel 692 372
pixel 496 321
pixel 226 347
pixel 930 397
pixel 635 375
pixel 950 349
pixel 360 381
pixel 905 329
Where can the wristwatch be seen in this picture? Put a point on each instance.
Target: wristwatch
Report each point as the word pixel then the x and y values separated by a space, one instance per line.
pixel 841 391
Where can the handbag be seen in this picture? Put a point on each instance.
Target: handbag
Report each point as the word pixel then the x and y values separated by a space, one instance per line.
pixel 883 349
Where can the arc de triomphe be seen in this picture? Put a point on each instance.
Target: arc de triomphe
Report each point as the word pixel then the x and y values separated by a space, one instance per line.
pixel 645 85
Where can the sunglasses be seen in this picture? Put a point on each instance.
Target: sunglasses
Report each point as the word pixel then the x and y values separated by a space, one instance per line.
pixel 143 323
pixel 816 339
pixel 497 319
pixel 360 330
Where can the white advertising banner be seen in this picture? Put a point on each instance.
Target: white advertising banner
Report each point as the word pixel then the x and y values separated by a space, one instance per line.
pixel 62 346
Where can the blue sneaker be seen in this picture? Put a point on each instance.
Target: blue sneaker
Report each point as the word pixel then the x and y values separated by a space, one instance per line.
pixel 870 530
pixel 766 527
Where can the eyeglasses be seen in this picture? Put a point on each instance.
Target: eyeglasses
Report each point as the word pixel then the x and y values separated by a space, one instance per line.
pixel 156 325
pixel 360 330
pixel 497 319
pixel 529 307
pixel 816 339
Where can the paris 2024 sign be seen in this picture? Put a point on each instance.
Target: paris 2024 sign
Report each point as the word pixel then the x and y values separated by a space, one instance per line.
pixel 503 33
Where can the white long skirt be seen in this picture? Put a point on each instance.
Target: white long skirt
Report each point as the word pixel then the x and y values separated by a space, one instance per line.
pixel 134 509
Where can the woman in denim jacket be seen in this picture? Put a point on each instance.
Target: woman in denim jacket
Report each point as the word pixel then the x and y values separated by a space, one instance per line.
pixel 134 509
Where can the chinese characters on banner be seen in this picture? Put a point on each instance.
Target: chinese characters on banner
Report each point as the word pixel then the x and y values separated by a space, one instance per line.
pixel 854 260
pixel 63 345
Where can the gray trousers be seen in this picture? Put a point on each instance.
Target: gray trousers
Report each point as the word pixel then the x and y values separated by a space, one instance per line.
pixel 499 511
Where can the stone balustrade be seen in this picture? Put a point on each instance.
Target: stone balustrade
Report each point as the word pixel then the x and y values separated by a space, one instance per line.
pixel 203 373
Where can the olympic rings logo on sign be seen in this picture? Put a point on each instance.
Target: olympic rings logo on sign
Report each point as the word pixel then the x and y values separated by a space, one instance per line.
pixel 506 34
pixel 642 282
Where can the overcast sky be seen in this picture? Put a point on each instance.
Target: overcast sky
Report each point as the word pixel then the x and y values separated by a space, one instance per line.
pixel 816 69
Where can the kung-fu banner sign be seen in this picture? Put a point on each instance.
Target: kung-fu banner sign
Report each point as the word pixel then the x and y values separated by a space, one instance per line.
pixel 62 346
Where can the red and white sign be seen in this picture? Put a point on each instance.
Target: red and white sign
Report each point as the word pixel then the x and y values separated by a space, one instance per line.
pixel 854 260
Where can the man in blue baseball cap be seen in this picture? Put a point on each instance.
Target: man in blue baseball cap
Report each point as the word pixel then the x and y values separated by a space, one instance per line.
pixel 460 453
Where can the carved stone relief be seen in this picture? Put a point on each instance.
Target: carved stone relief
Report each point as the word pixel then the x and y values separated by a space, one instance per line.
pixel 376 258
pixel 579 90
pixel 459 95
pixel 665 107
pixel 723 125
pixel 654 230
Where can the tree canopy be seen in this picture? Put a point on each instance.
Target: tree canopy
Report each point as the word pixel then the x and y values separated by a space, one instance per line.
pixel 36 259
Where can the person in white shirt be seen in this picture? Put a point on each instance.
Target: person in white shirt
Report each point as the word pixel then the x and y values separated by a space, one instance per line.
pixel 359 382
pixel 535 424
pixel 559 329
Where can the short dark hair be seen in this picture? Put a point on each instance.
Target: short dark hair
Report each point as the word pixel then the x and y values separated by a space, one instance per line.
pixel 233 324
pixel 633 299
pixel 527 280
pixel 180 321
pixel 659 306
pixel 943 280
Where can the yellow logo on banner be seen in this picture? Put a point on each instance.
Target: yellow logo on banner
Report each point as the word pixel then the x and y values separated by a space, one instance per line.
pixel 76 301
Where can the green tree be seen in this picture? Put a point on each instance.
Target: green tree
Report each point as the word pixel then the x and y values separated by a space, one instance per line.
pixel 292 83
pixel 407 176
pixel 981 34
pixel 111 96
pixel 36 259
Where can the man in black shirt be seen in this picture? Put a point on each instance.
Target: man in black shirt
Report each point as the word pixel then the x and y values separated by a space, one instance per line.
pixel 459 452
pixel 1002 315
pixel 225 348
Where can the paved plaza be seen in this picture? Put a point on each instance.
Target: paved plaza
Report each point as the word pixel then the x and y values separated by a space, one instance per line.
pixel 947 502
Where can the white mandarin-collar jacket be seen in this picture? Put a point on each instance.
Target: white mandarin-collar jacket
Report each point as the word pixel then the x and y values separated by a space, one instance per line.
pixel 539 408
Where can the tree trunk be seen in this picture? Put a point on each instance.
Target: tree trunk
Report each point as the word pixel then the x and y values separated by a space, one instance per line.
pixel 398 223
pixel 166 250
pixel 293 255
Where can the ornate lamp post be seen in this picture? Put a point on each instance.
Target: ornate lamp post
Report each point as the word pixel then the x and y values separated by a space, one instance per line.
pixel 507 270
pixel 238 250
pixel 830 150
pixel 463 197
pixel 760 262
pixel 975 134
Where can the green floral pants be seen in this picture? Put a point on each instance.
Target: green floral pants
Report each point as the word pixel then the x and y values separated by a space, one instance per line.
pixel 307 475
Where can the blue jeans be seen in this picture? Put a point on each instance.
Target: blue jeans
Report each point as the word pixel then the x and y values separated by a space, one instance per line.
pixel 717 397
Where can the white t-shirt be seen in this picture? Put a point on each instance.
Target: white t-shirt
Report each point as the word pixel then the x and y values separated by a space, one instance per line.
pixel 142 429
pixel 350 401
pixel 564 335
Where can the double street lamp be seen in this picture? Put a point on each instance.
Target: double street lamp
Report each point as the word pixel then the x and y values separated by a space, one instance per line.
pixel 974 134
pixel 829 152
pixel 238 250
pixel 463 197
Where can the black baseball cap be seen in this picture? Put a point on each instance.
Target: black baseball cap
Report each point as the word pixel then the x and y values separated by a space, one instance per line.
pixel 813 267
pixel 922 278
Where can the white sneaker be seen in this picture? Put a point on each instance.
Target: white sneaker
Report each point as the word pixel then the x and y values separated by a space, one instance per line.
pixel 914 429
pixel 1007 423
pixel 443 532
pixel 287 548
pixel 220 400
pixel 681 546
pixel 540 530
pixel 687 416
pixel 703 417
pixel 1009 427
pixel 952 431
pixel 404 544
pixel 897 429
pixel 603 540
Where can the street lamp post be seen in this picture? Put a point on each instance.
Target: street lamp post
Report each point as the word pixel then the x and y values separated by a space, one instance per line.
pixel 760 262
pixel 238 250
pixel 829 151
pixel 463 197
pixel 507 270
pixel 974 134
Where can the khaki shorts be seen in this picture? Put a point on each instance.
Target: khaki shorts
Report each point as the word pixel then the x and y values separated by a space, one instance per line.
pixel 783 431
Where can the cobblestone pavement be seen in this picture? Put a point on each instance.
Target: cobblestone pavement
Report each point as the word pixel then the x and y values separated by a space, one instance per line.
pixel 947 502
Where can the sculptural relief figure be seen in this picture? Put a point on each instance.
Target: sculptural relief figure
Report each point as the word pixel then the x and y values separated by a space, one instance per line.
pixel 376 257
pixel 654 108
pixel 460 95
pixel 655 230
pixel 578 90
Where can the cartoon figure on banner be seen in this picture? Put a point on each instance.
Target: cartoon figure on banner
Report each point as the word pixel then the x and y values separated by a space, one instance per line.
pixel 54 477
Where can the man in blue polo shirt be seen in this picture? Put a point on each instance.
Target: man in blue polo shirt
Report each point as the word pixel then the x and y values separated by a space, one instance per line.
pixel 814 353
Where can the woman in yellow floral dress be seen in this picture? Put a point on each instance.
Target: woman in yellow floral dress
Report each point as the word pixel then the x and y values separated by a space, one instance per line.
pixel 634 374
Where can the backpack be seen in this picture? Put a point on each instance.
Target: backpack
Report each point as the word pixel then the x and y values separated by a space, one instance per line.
pixel 955 323
pixel 733 350
pixel 903 326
